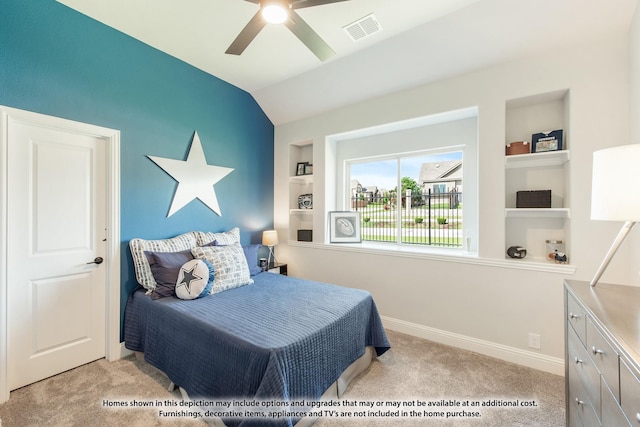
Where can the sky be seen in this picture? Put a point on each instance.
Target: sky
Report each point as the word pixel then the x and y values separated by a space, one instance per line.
pixel 382 173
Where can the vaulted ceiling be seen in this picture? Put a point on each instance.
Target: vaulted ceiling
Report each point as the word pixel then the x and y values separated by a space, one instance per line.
pixel 419 41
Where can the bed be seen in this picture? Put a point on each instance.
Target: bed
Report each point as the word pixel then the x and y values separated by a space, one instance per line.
pixel 276 338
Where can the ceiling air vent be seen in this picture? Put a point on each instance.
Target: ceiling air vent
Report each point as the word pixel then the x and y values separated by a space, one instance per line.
pixel 363 27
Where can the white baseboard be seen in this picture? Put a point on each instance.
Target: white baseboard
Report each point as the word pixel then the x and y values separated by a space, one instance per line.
pixel 530 359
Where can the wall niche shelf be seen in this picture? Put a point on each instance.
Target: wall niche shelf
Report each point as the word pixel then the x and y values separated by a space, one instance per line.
pixel 549 158
pixel 562 213
pixel 301 179
pixel 299 219
pixel 301 211
pixel 532 227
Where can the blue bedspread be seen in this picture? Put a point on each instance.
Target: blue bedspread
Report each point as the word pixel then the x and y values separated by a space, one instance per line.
pixel 279 338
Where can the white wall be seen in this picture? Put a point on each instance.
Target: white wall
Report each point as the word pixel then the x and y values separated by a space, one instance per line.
pixel 634 132
pixel 483 306
pixel 634 53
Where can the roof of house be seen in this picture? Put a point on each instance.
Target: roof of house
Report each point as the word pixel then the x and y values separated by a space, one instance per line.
pixel 447 170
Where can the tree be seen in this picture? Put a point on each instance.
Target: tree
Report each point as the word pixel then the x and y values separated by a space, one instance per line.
pixel 416 191
pixel 410 184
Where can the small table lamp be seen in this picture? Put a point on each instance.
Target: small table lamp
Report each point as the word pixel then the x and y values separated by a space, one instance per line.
pixel 616 172
pixel 270 239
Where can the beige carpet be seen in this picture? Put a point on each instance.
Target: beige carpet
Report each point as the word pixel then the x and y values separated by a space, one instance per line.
pixel 415 371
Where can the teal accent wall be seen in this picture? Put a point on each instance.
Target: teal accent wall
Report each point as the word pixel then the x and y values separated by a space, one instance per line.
pixel 56 61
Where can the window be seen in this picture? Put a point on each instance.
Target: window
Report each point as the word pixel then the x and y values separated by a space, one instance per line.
pixel 427 209
pixel 406 180
pixel 439 188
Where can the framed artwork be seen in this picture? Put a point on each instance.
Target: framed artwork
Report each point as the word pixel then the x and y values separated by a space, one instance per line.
pixel 300 168
pixel 344 227
pixel 308 169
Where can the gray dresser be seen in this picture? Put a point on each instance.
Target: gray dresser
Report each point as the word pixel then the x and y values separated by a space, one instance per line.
pixel 602 354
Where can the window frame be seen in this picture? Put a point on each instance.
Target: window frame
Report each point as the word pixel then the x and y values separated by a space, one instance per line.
pixel 441 132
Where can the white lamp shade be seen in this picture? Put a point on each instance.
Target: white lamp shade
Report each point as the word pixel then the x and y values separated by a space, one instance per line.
pixel 614 193
pixel 270 238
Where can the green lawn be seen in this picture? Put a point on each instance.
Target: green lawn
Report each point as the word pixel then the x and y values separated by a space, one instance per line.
pixel 374 217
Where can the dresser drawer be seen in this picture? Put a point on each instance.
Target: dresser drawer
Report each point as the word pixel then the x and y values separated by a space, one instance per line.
pixel 612 414
pixel 630 393
pixel 604 357
pixel 576 317
pixel 585 369
pixel 579 402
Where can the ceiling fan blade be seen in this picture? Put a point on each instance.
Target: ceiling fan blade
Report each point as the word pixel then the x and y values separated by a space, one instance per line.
pixel 299 4
pixel 310 38
pixel 246 36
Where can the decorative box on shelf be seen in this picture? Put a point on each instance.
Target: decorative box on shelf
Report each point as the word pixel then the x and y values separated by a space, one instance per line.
pixel 518 147
pixel 305 235
pixel 533 199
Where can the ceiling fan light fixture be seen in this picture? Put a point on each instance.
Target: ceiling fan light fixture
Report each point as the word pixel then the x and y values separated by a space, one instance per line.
pixel 275 12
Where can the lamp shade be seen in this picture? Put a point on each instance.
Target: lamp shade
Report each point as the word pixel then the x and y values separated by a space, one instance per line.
pixel 616 172
pixel 270 238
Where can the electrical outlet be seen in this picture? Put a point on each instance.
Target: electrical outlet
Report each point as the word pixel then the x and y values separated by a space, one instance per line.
pixel 534 341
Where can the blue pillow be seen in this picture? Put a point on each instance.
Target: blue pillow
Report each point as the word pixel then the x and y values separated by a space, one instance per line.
pixel 251 253
pixel 165 267
pixel 195 279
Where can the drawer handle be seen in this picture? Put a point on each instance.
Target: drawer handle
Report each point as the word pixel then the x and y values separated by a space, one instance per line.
pixel 638 417
pixel 573 316
pixel 575 359
pixel 579 402
pixel 596 351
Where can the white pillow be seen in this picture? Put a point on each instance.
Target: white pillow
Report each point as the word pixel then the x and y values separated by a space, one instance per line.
pixel 229 263
pixel 226 238
pixel 195 279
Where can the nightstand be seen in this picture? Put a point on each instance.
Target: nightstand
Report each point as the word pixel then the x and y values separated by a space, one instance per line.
pixel 277 268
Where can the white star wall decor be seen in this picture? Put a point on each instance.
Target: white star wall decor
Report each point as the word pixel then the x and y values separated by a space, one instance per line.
pixel 194 176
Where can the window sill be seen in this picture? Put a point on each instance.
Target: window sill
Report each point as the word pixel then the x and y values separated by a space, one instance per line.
pixel 440 254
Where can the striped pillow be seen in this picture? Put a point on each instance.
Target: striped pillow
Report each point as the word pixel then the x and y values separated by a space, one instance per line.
pixel 229 263
pixel 141 263
pixel 230 237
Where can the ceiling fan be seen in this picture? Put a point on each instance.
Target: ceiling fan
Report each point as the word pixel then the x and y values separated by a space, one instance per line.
pixel 283 12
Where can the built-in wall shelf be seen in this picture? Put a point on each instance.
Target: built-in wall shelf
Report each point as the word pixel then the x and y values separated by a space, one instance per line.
pixel 539 171
pixel 540 264
pixel 537 213
pixel 548 158
pixel 301 179
pixel 300 154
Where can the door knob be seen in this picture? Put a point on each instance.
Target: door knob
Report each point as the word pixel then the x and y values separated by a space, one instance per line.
pixel 98 260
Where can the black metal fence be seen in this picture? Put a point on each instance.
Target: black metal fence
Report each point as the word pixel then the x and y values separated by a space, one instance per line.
pixel 430 219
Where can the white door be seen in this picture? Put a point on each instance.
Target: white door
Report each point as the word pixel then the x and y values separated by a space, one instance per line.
pixel 56 214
